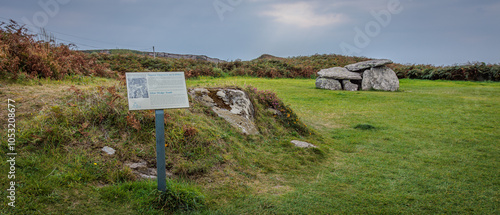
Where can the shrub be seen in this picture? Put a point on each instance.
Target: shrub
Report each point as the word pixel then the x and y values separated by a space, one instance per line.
pixel 468 72
pixel 21 55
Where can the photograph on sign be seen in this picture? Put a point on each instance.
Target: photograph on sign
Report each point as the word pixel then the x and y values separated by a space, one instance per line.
pixel 156 90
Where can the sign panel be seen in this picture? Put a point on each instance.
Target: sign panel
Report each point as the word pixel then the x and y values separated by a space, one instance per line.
pixel 156 90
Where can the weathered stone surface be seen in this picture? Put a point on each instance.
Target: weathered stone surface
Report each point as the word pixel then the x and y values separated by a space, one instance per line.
pixel 108 150
pixel 238 101
pixel 231 104
pixel 245 125
pixel 141 169
pixel 367 65
pixel 349 86
pixel 140 165
pixel 201 95
pixel 302 144
pixel 339 73
pixel 327 83
pixel 380 78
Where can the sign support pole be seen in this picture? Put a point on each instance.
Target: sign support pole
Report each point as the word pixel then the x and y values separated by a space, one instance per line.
pixel 157 91
pixel 160 150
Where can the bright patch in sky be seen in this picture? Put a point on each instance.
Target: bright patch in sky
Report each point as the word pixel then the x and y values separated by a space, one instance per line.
pixel 302 14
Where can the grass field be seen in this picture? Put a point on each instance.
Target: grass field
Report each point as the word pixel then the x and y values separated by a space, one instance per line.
pixel 431 148
pixel 434 148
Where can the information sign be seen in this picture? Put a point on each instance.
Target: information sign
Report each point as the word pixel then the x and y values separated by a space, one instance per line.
pixel 156 90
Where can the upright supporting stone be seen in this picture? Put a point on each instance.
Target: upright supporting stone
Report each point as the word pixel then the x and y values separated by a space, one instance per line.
pixel 160 150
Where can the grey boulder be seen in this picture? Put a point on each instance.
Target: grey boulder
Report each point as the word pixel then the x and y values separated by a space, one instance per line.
pixel 108 150
pixel 349 86
pixel 339 73
pixel 302 144
pixel 380 78
pixel 233 105
pixel 367 64
pixel 327 83
pixel 142 170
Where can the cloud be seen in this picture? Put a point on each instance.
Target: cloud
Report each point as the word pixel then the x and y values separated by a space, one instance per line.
pixel 302 14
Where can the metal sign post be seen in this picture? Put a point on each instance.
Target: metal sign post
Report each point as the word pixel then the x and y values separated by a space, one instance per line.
pixel 157 91
pixel 160 150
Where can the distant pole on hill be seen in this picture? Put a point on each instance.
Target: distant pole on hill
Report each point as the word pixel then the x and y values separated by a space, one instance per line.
pixel 154 53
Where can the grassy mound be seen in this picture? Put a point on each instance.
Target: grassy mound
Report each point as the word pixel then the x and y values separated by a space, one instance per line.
pixel 61 146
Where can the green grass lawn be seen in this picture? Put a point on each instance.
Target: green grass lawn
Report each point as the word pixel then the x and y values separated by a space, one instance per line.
pixel 433 147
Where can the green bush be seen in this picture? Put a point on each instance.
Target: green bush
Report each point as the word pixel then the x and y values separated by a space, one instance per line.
pixel 467 72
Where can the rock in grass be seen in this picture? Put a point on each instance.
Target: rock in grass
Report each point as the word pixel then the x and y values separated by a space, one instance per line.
pixel 140 165
pixel 339 73
pixel 380 78
pixel 142 170
pixel 238 102
pixel 245 125
pixel 233 105
pixel 367 65
pixel 108 150
pixel 302 144
pixel 327 83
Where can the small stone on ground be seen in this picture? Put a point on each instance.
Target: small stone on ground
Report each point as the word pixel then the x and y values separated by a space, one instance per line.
pixel 302 144
pixel 108 150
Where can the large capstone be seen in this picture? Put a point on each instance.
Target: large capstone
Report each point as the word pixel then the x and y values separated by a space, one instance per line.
pixel 339 73
pixel 380 78
pixel 329 84
pixel 367 65
pixel 233 105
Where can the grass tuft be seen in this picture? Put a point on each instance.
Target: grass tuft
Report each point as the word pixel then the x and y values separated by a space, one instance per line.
pixel 364 127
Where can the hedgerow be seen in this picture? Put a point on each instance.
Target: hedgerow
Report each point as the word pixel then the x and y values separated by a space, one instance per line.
pixel 476 71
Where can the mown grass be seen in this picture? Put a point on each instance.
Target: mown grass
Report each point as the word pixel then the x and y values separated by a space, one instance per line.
pixel 432 148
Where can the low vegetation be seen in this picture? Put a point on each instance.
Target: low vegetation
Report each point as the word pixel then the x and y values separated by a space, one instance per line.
pixel 468 72
pixel 24 57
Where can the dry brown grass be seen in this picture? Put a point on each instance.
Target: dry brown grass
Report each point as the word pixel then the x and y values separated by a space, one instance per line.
pixel 31 100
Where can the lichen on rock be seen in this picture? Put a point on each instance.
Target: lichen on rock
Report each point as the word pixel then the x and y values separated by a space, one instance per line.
pixel 233 105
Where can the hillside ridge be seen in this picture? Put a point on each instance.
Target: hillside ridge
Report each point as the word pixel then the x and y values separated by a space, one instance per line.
pixel 158 54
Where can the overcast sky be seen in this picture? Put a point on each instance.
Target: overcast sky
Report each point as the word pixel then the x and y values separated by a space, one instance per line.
pixel 439 32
